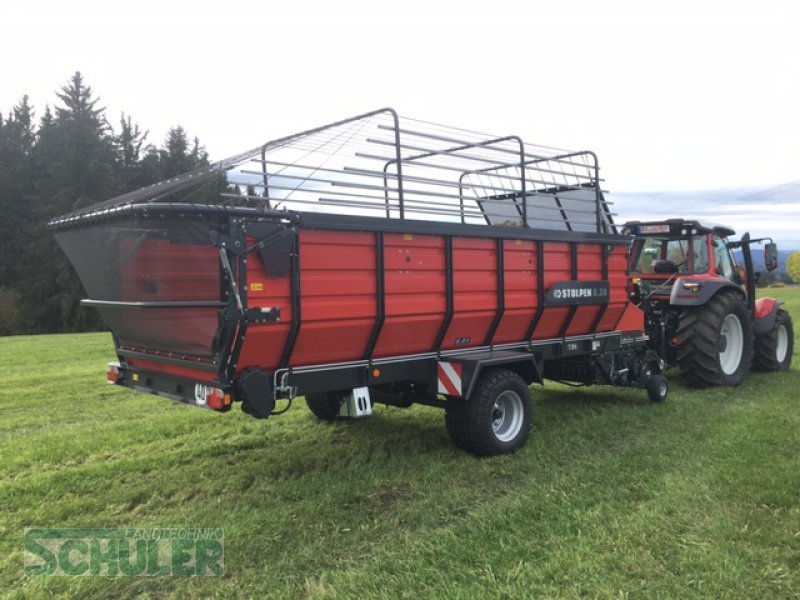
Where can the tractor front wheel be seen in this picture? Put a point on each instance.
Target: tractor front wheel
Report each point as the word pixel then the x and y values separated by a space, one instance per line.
pixel 715 342
pixel 773 351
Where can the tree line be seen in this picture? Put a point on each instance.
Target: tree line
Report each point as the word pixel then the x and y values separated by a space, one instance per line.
pixel 68 158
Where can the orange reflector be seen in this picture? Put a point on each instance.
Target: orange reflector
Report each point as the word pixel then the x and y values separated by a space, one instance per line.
pixel 113 373
pixel 217 399
pixel 376 373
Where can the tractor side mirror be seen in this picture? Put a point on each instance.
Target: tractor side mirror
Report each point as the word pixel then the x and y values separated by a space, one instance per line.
pixel 771 256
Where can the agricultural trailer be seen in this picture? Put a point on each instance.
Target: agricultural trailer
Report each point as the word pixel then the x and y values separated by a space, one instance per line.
pixel 371 260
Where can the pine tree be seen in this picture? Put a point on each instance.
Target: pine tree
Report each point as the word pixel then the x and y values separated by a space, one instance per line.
pixel 129 145
pixel 16 147
pixel 75 163
pixel 70 160
pixel 85 170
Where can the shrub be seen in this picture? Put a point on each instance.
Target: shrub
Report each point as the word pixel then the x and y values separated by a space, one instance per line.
pixel 11 312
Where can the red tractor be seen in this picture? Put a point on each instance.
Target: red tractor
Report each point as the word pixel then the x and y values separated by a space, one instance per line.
pixel 700 308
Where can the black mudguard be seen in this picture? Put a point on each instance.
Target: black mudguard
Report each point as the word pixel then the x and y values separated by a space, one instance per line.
pixel 708 289
pixel 765 315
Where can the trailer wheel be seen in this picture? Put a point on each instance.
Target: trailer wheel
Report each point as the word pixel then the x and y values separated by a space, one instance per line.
pixel 496 420
pixel 325 406
pixel 716 342
pixel 657 388
pixel 773 351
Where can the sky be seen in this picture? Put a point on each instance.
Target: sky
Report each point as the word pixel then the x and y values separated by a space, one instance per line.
pixel 673 97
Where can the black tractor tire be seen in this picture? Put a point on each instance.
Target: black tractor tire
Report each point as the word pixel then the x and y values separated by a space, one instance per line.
pixel 773 351
pixel 716 342
pixel 497 418
pixel 658 388
pixel 325 406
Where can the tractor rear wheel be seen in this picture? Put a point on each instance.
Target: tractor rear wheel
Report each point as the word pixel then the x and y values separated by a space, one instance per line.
pixel 325 406
pixel 716 342
pixel 496 419
pixel 773 351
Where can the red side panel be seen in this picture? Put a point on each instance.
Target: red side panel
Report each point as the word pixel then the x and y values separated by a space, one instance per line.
pixel 474 292
pixel 338 308
pixel 415 294
pixel 264 344
pixel 557 268
pixel 339 304
pixel 618 284
pixel 590 268
pixel 632 319
pixel 520 291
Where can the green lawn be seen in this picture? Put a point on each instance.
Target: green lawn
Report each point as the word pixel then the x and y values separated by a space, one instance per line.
pixel 611 497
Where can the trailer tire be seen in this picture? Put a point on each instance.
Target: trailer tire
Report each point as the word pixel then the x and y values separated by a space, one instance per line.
pixel 716 342
pixel 325 406
pixel 497 418
pixel 773 350
pixel 658 388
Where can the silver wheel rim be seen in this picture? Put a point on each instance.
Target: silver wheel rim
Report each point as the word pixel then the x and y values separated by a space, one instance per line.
pixel 507 416
pixel 731 356
pixel 782 346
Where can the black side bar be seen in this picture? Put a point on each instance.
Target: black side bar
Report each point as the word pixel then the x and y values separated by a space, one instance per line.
pixel 162 304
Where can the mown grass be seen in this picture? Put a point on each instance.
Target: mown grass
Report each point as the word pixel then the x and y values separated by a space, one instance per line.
pixel 612 496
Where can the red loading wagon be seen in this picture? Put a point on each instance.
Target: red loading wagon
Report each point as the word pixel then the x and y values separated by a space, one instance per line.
pixel 370 260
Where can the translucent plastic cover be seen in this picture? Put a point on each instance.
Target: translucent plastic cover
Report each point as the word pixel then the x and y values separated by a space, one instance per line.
pixel 156 283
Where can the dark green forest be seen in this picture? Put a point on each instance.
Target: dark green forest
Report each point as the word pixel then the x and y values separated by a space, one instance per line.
pixel 56 160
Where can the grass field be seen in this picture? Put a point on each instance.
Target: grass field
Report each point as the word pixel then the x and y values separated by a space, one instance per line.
pixel 611 497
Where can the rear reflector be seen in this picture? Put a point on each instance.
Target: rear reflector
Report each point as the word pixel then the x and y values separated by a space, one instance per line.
pixel 217 399
pixel 113 374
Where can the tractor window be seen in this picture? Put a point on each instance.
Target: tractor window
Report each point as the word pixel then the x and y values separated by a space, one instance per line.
pixel 676 251
pixel 700 254
pixel 651 251
pixel 723 259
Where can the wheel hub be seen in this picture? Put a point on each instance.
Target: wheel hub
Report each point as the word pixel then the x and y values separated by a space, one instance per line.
pixel 782 345
pixel 497 416
pixel 731 342
pixel 507 416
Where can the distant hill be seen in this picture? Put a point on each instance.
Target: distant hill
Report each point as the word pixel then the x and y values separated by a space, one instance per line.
pixel 758 258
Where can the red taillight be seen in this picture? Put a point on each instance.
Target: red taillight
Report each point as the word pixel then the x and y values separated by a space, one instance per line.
pixel 217 399
pixel 113 375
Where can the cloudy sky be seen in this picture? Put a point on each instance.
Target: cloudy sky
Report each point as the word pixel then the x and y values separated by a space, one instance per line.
pixel 683 97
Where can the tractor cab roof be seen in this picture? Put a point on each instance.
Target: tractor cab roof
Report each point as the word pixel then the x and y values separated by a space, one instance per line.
pixel 676 227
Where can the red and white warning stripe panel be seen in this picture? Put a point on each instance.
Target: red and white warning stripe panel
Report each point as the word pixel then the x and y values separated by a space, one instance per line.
pixel 448 377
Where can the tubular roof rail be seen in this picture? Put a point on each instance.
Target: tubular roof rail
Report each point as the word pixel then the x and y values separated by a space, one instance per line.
pixel 370 165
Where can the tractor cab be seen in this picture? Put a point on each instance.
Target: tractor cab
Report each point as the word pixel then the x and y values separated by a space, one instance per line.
pixel 677 259
pixel 665 251
pixel 699 304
